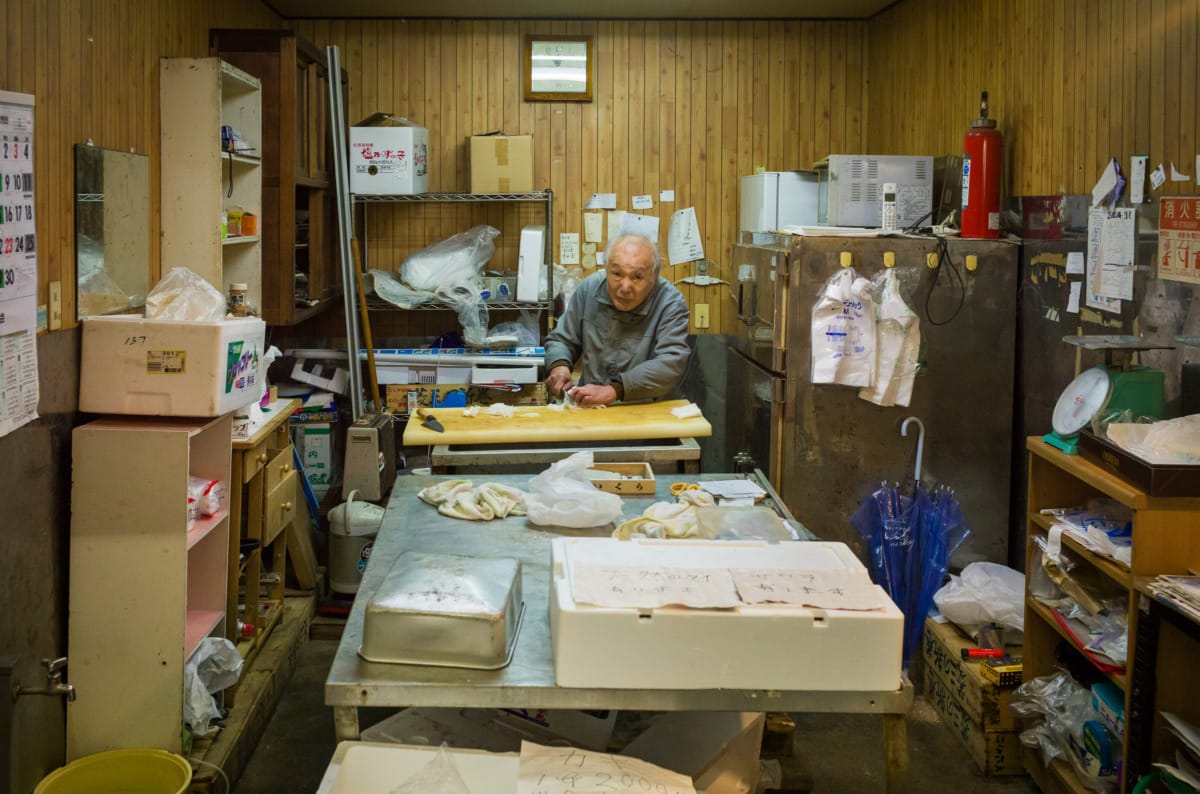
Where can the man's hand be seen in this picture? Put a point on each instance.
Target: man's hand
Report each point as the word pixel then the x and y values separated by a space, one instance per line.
pixel 559 380
pixel 594 394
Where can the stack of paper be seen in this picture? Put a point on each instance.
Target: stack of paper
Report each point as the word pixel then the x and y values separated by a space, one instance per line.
pixel 1181 592
pixel 1187 759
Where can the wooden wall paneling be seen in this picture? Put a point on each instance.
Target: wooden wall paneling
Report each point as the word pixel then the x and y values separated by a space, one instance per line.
pixel 718 250
pixel 821 109
pixel 651 122
pixel 1186 24
pixel 715 205
pixel 621 115
pixel 588 132
pixel 1157 88
pixel 668 105
pixel 855 86
pixel 1173 58
pixel 776 114
pixel 837 79
pixel 760 110
pixel 687 143
pixel 741 101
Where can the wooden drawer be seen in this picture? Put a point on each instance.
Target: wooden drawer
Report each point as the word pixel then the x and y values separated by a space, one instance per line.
pixel 253 459
pixel 282 464
pixel 281 506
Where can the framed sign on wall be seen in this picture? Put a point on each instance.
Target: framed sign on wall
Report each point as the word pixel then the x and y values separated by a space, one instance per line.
pixel 558 68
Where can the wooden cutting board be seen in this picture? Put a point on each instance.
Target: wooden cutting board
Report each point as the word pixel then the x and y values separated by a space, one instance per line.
pixel 537 423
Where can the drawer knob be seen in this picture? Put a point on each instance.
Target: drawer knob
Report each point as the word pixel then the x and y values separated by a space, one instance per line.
pixel 262 458
pixel 287 468
pixel 286 506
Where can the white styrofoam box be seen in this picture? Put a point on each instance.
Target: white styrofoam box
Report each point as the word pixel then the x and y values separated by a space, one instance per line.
pixel 315 444
pixel 759 646
pixel 329 378
pixel 133 365
pixel 388 156
pixel 482 373
pixel 531 263
pixel 453 373
pixel 362 768
pixel 392 374
pixel 720 754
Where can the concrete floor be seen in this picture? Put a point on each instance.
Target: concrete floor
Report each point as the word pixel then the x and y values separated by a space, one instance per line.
pixel 833 753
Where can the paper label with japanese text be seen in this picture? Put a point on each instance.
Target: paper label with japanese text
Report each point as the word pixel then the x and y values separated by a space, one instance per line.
pixel 1179 238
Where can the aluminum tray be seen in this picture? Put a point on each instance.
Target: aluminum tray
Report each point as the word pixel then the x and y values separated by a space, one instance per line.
pixel 445 610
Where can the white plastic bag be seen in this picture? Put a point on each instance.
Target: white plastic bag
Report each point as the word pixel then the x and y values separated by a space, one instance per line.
pixel 214 666
pixel 843 332
pixel 439 775
pixel 562 496
pixel 985 592
pixel 183 295
pixel 897 343
pixel 458 259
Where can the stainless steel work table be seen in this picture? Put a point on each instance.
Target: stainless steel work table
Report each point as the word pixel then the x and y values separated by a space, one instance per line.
pixel 528 682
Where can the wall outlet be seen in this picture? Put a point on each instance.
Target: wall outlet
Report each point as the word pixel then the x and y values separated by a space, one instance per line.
pixel 701 315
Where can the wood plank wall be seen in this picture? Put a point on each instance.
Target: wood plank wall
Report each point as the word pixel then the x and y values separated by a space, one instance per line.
pixel 1071 82
pixel 92 66
pixel 688 106
pixel 683 105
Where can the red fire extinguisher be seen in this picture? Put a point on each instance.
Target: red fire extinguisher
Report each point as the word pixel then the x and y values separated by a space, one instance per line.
pixel 983 147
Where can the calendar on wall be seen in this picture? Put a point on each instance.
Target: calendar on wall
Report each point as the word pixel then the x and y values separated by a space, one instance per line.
pixel 18 265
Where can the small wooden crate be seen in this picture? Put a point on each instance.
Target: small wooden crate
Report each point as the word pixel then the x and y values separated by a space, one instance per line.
pixel 637 479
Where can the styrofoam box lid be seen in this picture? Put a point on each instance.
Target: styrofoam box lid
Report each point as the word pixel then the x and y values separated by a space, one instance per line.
pixel 789 555
pixel 363 768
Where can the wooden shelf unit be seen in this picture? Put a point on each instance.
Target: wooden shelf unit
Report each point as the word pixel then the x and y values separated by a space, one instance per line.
pixel 145 587
pixel 1166 540
pixel 299 259
pixel 200 180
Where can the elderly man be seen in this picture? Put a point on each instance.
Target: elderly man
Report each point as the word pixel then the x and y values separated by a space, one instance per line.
pixel 629 327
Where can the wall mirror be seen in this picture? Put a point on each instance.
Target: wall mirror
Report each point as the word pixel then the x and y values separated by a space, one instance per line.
pixel 112 230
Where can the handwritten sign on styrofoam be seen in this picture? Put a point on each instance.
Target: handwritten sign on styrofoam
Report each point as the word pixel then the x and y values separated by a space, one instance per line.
pixel 558 770
pixel 822 590
pixel 649 587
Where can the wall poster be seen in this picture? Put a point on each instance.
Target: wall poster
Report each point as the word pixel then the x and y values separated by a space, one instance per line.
pixel 1179 238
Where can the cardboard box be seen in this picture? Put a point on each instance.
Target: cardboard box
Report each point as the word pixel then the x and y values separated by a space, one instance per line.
pixel 132 365
pixel 315 442
pixel 994 752
pixel 501 163
pixel 986 703
pixel 637 479
pixel 443 395
pixel 389 156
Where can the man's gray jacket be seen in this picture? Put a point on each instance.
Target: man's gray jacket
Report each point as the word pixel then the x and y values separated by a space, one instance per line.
pixel 643 352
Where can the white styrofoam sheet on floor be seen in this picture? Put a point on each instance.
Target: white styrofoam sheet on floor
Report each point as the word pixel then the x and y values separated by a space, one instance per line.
pixel 363 768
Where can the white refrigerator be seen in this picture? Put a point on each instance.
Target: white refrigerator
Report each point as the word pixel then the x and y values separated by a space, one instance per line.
pixel 771 200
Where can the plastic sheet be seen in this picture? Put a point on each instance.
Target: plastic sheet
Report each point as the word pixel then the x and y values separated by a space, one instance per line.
pixel 562 496
pixel 183 295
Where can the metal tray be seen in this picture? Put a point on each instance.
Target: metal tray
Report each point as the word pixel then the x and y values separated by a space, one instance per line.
pixel 1154 479
pixel 445 610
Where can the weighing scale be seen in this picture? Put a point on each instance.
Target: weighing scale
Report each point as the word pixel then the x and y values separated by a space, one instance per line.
pixel 1107 388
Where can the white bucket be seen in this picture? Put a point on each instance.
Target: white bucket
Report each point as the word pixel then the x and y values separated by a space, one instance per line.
pixel 352 529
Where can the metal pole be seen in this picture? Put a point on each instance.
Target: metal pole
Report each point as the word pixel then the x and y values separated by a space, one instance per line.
pixel 341 182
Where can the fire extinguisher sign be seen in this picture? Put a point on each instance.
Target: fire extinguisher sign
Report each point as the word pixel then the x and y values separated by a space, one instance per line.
pixel 1179 238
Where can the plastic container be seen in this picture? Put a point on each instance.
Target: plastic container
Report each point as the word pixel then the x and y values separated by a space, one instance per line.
pixel 237 299
pixel 352 529
pixel 134 771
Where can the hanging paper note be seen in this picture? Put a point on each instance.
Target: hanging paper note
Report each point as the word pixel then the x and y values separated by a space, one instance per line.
pixel 683 237
pixel 568 248
pixel 632 223
pixel 1158 177
pixel 1108 187
pixel 1074 262
pixel 643 202
pixel 1073 300
pixel 1114 278
pixel 589 256
pixel 669 195
pixel 650 587
pixel 601 201
pixel 1137 178
pixel 1176 176
pixel 1095 236
pixel 593 227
